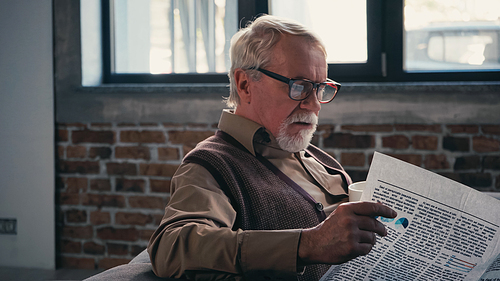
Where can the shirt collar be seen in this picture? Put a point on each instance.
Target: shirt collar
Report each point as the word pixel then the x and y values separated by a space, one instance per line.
pixel 240 128
pixel 254 137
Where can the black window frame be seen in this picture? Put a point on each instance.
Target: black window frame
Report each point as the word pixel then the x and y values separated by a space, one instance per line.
pixel 384 41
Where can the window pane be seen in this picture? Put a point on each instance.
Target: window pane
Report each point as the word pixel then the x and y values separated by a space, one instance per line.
pixel 340 24
pixel 172 36
pixel 451 35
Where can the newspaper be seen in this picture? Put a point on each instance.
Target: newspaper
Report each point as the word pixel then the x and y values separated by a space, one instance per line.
pixel 444 230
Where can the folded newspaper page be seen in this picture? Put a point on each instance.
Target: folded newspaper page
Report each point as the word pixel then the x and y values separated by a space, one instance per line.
pixel 444 230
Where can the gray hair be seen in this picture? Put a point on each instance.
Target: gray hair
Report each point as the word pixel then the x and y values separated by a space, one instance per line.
pixel 252 47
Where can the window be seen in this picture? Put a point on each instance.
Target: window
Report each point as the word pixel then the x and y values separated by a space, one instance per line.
pixel 180 41
pixel 451 36
pixel 187 41
pixel 163 36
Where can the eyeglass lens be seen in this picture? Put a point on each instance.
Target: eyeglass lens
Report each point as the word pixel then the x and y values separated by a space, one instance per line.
pixel 301 89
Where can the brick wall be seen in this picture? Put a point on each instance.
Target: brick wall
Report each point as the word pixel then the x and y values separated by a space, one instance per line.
pixel 113 178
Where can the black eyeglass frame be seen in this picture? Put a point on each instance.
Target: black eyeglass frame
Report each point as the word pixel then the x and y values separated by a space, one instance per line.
pixel 290 82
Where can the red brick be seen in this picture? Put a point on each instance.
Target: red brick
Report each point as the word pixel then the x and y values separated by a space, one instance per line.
pixel 99 217
pixel 456 144
pixel 484 144
pixel 342 140
pixel 127 125
pixel 368 128
pixel 415 159
pixel 357 175
pixel 480 181
pixel 161 170
pixel 148 124
pixel 121 169
pixel 88 136
pixel 100 185
pixel 315 140
pixel 492 162
pixel 142 136
pixel 471 162
pixel 107 263
pixel 100 125
pixel 126 185
pixel 326 128
pixel 76 151
pixel 76 216
pixel 71 247
pixel 77 263
pixel 491 129
pixel 132 218
pixel 76 124
pixel 172 125
pixel 187 148
pixel 100 152
pixel 80 167
pixel 396 142
pixel 196 125
pixel 146 234
pixel 352 159
pixel 69 198
pixel 80 232
pixel 62 135
pixel 477 180
pixel 132 152
pixel 146 202
pixel 465 129
pixel 425 142
pixel 189 138
pixel 76 185
pixel 103 200
pixel 136 249
pixel 168 153
pixel 436 162
pixel 159 185
pixel 93 248
pixel 157 219
pixel 418 127
pixel 60 151
pixel 117 249
pixel 111 233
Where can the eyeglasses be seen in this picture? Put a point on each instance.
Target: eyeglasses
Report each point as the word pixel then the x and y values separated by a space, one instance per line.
pixel 300 89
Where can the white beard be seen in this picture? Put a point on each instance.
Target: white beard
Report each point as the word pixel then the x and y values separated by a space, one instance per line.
pixel 299 141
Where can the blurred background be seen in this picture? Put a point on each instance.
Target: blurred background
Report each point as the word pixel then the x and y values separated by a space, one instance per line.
pixel 100 100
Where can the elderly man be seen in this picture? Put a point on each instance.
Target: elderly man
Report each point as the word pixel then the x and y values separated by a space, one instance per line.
pixel 257 201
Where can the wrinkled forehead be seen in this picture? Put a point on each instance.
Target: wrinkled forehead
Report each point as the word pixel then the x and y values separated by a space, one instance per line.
pixel 296 49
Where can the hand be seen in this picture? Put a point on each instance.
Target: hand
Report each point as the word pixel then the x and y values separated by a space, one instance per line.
pixel 347 233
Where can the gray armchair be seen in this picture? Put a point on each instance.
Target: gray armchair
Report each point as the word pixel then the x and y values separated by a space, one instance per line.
pixel 138 269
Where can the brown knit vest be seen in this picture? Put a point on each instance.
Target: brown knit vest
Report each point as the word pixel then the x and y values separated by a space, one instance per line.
pixel 261 199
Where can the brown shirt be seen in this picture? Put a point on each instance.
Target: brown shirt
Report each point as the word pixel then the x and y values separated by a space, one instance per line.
pixel 195 237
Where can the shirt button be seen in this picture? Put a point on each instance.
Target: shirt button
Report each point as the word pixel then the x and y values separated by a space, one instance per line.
pixel 319 207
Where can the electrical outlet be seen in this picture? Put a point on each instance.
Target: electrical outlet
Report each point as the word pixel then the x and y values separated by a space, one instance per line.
pixel 8 226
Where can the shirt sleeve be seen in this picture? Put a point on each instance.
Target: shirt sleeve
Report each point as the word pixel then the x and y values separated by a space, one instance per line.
pixel 196 240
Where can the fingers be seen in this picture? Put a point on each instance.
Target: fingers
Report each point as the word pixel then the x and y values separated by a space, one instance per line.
pixel 373 209
pixel 367 237
pixel 372 225
pixel 366 242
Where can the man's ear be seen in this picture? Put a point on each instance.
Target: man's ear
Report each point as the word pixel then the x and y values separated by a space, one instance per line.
pixel 242 80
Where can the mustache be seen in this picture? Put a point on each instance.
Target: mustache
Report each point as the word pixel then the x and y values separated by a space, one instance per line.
pixel 303 117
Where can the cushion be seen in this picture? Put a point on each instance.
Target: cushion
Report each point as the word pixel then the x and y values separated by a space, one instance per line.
pixel 138 269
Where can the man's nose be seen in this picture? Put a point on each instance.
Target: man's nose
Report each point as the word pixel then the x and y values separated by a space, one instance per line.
pixel 311 102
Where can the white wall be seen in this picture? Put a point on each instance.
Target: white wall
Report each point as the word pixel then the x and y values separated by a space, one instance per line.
pixel 27 133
